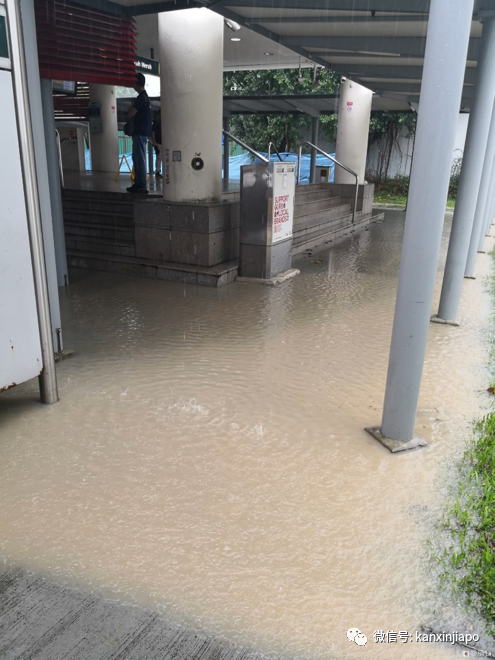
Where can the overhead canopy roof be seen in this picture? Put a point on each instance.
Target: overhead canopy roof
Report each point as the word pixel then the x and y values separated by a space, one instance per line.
pixel 378 43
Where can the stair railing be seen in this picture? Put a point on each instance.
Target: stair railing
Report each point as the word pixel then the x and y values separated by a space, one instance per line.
pixel 344 167
pixel 247 147
pixel 275 150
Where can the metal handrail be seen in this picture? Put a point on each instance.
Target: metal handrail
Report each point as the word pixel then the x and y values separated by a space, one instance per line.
pixel 275 150
pixel 60 164
pixel 245 146
pixel 344 167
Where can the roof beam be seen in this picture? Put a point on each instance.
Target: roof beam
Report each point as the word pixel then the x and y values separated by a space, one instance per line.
pixel 404 72
pixel 409 6
pixel 401 46
pixel 372 20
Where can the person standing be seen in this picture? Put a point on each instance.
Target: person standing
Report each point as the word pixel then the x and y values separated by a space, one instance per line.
pixel 141 116
pixel 157 143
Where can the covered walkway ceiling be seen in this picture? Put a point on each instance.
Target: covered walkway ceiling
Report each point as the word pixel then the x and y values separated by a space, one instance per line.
pixel 379 43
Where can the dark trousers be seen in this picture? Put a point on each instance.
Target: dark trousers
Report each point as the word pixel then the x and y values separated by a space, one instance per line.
pixel 139 159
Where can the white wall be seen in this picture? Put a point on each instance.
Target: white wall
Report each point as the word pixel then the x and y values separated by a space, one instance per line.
pixel 401 156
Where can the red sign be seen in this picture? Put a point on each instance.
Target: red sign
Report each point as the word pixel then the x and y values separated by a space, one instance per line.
pixel 349 105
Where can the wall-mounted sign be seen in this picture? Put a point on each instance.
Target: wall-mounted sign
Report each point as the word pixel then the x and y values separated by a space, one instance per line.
pixel 145 65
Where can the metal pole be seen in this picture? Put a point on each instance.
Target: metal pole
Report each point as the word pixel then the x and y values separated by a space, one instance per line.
pixel 479 217
pixel 226 153
pixel 48 377
pixel 314 140
pixel 469 181
pixel 488 212
pixel 150 158
pixel 53 163
pixel 443 75
pixel 299 157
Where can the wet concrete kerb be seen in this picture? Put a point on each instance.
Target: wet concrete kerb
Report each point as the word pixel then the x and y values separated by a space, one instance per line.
pixel 395 446
pixel 436 319
pixel 273 281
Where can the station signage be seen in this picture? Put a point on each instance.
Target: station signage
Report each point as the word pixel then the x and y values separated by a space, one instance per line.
pixel 145 65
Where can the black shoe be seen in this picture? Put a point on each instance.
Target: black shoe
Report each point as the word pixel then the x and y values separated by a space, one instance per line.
pixel 159 174
pixel 141 191
pixel 132 188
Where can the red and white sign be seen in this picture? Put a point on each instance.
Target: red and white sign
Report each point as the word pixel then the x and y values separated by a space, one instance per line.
pixel 349 105
pixel 282 225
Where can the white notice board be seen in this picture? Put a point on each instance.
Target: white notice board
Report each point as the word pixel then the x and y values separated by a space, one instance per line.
pixel 284 181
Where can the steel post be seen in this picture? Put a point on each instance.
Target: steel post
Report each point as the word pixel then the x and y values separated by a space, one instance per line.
pixel 479 216
pixel 470 178
pixel 226 153
pixel 487 217
pixel 48 377
pixel 52 160
pixel 443 75
pixel 314 140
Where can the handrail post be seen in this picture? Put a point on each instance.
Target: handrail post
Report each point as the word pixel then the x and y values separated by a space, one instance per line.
pixel 299 165
pixel 246 146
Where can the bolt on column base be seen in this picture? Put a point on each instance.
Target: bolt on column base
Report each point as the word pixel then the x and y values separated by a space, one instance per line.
pixel 395 445
pixel 437 319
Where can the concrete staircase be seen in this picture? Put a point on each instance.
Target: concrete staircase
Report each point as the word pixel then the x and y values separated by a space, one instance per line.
pixel 98 222
pixel 118 232
pixel 322 214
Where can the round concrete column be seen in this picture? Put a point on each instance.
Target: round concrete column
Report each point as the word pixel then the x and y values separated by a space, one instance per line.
pixel 191 56
pixel 352 130
pixel 104 143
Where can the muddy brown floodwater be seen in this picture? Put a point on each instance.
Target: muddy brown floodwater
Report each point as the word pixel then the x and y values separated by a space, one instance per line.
pixel 207 457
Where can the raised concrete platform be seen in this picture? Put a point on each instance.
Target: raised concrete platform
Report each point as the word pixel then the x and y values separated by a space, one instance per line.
pixel 39 619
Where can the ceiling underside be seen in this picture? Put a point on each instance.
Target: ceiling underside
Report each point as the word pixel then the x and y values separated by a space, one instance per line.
pixel 378 43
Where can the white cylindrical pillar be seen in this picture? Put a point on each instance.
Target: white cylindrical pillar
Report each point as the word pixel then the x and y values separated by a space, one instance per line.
pixel 478 232
pixel 104 131
pixel 352 130
pixel 443 76
pixel 191 55
pixel 469 181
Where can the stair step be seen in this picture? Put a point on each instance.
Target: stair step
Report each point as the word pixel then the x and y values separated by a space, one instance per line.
pixel 302 196
pixel 81 216
pixel 98 231
pixel 77 244
pixel 318 217
pixel 312 206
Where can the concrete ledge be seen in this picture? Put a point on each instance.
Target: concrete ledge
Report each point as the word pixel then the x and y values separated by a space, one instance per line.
pixel 278 279
pixel 436 319
pixel 395 446
pixel 215 276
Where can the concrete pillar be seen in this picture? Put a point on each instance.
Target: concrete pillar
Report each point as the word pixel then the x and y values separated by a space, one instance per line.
pixel 478 230
pixel 191 55
pixel 226 153
pixel 314 140
pixel 54 182
pixel 104 134
pixel 352 130
pixel 40 150
pixel 469 181
pixel 443 76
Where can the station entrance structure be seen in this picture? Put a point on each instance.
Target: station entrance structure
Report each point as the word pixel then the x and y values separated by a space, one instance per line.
pixel 437 54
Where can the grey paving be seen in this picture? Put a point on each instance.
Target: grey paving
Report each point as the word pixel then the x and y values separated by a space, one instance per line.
pixel 42 620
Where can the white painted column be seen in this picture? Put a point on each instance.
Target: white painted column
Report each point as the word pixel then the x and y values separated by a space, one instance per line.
pixel 352 131
pixel 488 212
pixel 443 75
pixel 105 144
pixel 469 181
pixel 191 56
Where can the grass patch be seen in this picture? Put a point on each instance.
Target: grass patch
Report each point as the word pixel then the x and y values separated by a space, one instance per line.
pixel 468 560
pixel 394 191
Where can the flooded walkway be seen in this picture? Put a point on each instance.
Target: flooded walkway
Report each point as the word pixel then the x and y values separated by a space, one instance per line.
pixel 207 459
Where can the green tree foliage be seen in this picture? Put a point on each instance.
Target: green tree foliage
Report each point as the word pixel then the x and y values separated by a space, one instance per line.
pixel 283 130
